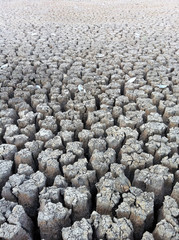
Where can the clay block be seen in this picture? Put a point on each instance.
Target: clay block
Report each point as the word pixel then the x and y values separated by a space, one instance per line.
pixel 79 200
pixel 80 229
pixel 52 217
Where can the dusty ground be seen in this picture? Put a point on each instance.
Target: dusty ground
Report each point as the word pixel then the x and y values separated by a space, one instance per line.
pixel 89 119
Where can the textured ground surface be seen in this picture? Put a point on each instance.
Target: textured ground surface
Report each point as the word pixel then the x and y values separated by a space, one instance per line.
pixel 89 119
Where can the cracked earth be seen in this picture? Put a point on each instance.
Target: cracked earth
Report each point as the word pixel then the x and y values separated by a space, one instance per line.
pixel 89 120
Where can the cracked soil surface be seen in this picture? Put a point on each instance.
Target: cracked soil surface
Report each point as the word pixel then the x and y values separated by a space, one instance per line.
pixel 89 119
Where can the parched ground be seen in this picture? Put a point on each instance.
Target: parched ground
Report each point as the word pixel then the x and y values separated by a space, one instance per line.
pixel 89 119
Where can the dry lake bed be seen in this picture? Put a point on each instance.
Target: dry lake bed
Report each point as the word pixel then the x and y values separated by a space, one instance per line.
pixel 89 120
